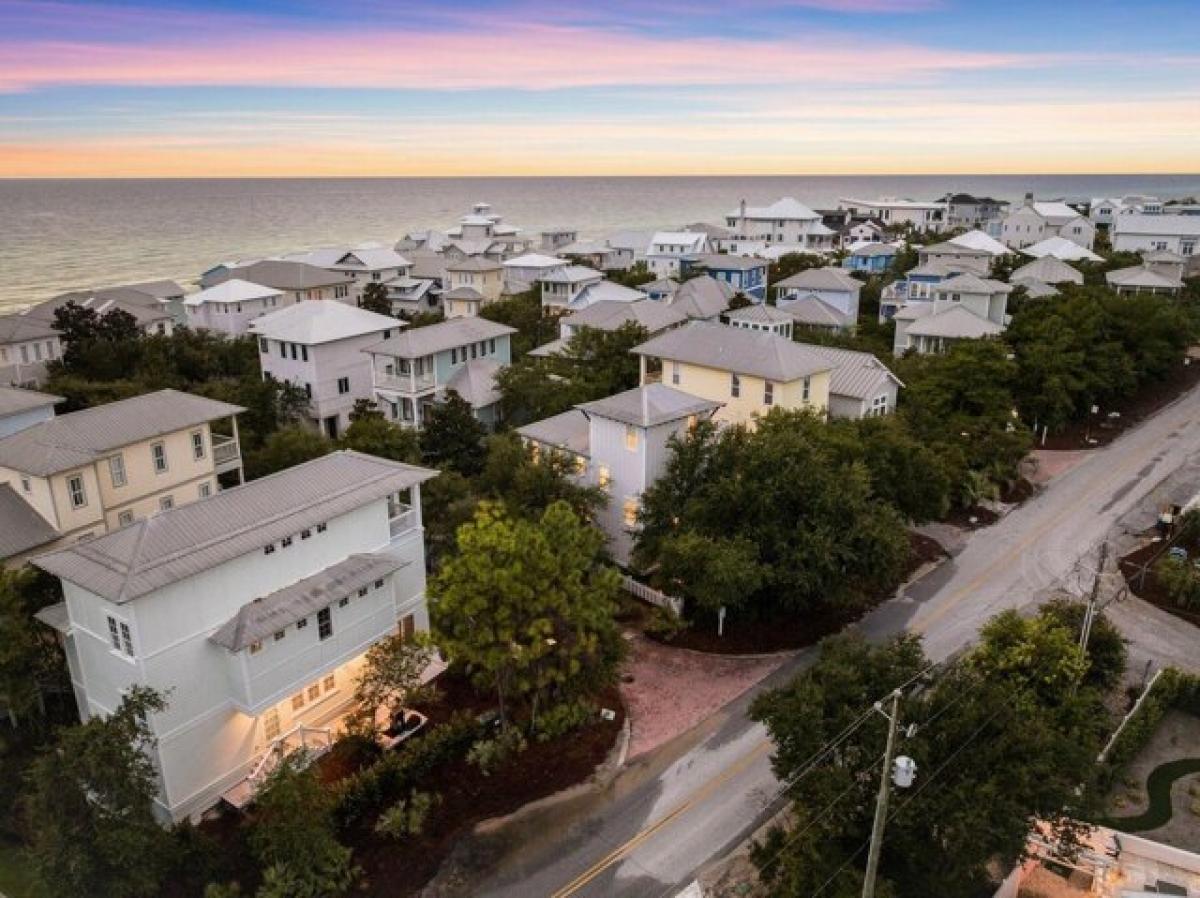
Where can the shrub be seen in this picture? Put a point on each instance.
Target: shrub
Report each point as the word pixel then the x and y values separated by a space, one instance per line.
pixel 407 817
pixel 562 719
pixel 1180 581
pixel 490 754
pixel 664 625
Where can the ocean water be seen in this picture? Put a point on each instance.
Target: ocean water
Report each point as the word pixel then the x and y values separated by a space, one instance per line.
pixel 58 235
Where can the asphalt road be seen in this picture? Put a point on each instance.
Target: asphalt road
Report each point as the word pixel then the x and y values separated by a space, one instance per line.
pixel 669 814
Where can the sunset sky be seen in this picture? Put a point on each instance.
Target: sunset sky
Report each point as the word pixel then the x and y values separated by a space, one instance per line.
pixel 368 87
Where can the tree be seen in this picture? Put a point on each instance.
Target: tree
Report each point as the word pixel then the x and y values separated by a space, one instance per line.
pixel 524 312
pixel 527 487
pixel 293 835
pixel 453 436
pixel 637 274
pixel 447 502
pixel 30 655
pixel 99 346
pixel 793 263
pixel 995 749
pixel 525 606
pixel 375 299
pixel 392 671
pixel 824 541
pixel 289 446
pixel 714 572
pixel 375 435
pixel 89 806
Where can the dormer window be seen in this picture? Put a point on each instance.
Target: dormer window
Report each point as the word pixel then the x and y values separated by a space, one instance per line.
pixel 269 549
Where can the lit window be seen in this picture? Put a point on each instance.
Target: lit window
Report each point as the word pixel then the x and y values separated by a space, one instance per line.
pixel 314 692
pixel 629 512
pixel 255 647
pixel 197 444
pixel 76 491
pixel 159 453
pixel 330 683
pixel 116 471
pixel 297 701
pixel 605 478
pixel 631 438
pixel 271 724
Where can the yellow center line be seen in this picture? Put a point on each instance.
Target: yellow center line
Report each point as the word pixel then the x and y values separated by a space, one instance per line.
pixel 698 795
pixel 706 789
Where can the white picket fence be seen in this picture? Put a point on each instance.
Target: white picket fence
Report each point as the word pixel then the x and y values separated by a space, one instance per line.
pixel 653 596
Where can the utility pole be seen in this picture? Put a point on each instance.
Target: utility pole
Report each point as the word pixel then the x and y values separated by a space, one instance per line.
pixel 1089 615
pixel 881 804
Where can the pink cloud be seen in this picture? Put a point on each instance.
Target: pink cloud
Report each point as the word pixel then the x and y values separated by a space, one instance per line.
pixel 529 57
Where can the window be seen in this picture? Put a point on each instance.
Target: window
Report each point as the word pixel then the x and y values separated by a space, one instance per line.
pixel 158 452
pixel 113 635
pixel 605 478
pixel 308 391
pixel 294 356
pixel 735 386
pixel 27 484
pixel 255 647
pixel 279 635
pixel 329 683
pixel 343 385
pixel 324 623
pixel 116 471
pixel 343 601
pixel 362 591
pixel 304 353
pixel 379 584
pixel 305 534
pixel 75 490
pixel 205 490
pixel 282 350
pixel 271 724
pixel 302 623
pixel 314 692
pixel 629 512
pixel 768 393
pixel 166 503
pixel 474 350
pixel 879 405
pixel 321 528
pixel 807 389
pixel 263 345
pixel 197 444
pixel 297 701
pixel 120 636
pixel 453 356
pixel 125 518
pixel 675 373
pixel 492 345
pixel 631 438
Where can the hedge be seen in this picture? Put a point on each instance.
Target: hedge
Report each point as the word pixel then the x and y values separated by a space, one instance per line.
pixel 1172 690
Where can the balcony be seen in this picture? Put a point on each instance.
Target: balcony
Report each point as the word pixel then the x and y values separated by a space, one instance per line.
pixel 405 383
pixel 401 519
pixel 227 453
pixel 311 741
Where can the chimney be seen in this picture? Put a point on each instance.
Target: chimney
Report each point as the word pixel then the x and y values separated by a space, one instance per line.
pixel 1029 198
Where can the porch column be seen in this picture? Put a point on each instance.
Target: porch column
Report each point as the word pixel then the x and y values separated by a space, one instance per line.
pixel 237 441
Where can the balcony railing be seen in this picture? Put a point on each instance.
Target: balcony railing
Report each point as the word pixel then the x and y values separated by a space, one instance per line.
pixel 405 383
pixel 226 452
pixel 402 520
pixel 312 741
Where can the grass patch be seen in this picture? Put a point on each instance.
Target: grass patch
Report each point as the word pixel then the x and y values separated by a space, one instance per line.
pixel 1158 787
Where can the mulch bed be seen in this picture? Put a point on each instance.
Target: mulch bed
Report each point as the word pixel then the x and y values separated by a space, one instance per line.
pixel 1147 587
pixel 1132 411
pixel 971 518
pixel 468 797
pixel 747 636
pixel 394 869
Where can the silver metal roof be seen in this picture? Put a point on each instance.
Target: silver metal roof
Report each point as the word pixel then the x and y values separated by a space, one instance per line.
pixel 736 349
pixel 609 314
pixel 649 405
pixel 21 528
pixel 956 322
pixel 857 375
pixel 568 430
pixel 190 539
pixel 82 437
pixel 257 620
pixel 14 400
pixel 822 279
pixel 422 341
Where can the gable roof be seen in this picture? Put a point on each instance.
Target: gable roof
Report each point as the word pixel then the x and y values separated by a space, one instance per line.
pixel 857 374
pixel 19 328
pixel 875 248
pixel 702 298
pixel 14 400
pixel 21 527
pixel 417 342
pixel 1048 270
pixel 146 309
pixel 257 620
pixel 474 262
pixel 828 278
pixel 1168 225
pixel 476 383
pixel 362 258
pixel 787 208
pixel 571 274
pixel 321 321
pixel 1035 289
pixel 980 240
pixel 966 282
pixel 692 239
pixel 1141 276
pixel 283 274
pixel 736 349
pixel 759 313
pixel 465 293
pixel 83 437
pixel 605 291
pixel 534 260
pixel 955 322
pixel 649 406
pixel 189 539
pixel 953 248
pixel 608 315
pixel 727 262
pixel 232 290
pixel 1061 248
pixel 813 311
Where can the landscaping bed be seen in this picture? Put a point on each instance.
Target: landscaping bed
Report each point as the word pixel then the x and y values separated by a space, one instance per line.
pixel 1144 583
pixel 753 636
pixel 1104 430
